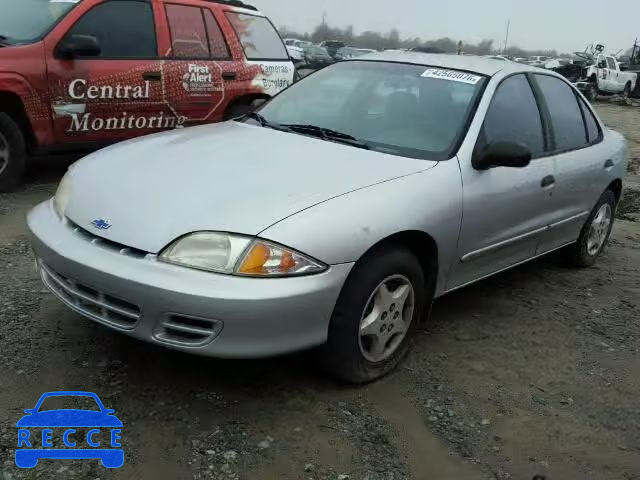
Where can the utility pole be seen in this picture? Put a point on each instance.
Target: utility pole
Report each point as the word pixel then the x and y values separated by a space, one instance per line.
pixel 324 18
pixel 506 39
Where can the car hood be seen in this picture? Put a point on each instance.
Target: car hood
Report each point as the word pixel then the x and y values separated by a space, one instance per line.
pixel 231 177
pixel 69 418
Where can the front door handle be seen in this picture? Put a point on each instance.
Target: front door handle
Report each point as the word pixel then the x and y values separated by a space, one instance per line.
pixel 152 76
pixel 548 181
pixel 229 75
pixel 609 164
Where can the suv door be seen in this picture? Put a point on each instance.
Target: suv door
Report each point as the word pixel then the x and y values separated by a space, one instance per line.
pixel 506 210
pixel 196 65
pixel 115 93
pixel 576 142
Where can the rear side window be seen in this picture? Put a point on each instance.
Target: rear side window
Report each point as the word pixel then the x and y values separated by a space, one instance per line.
pixel 217 44
pixel 513 116
pixel 125 29
pixel 566 118
pixel 188 32
pixel 593 130
pixel 258 37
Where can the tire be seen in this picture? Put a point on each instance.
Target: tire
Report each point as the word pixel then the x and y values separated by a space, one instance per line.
pixel 13 153
pixel 583 254
pixel 236 110
pixel 627 90
pixel 346 356
pixel 592 92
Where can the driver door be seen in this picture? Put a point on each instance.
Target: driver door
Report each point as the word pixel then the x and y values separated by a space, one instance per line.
pixel 506 210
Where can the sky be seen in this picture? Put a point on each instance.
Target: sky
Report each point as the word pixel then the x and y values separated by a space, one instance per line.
pixel 563 25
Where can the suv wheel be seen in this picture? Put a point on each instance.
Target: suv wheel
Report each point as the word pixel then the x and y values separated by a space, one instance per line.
pixel 375 317
pixel 595 233
pixel 627 91
pixel 13 155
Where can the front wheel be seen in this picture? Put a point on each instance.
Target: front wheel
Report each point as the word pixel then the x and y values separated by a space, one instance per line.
pixel 375 317
pixel 13 153
pixel 627 90
pixel 595 232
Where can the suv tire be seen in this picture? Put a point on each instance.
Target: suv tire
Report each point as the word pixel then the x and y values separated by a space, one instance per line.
pixel 13 153
pixel 348 354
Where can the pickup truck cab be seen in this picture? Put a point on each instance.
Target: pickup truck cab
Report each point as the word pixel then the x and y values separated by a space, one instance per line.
pixel 606 77
pixel 76 75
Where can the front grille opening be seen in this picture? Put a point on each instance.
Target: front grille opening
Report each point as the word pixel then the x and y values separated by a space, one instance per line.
pixel 183 330
pixel 185 336
pixel 107 244
pixel 192 322
pixel 117 302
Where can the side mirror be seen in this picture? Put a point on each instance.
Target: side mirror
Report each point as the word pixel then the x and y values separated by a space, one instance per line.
pixel 502 154
pixel 79 46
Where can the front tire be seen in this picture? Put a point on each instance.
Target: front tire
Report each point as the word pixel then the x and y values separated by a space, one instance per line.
pixel 13 153
pixel 376 316
pixel 627 90
pixel 595 232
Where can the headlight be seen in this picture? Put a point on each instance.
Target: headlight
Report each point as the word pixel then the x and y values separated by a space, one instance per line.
pixel 235 254
pixel 63 194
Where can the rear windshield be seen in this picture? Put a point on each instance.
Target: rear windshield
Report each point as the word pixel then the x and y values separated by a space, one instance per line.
pixel 25 21
pixel 406 110
pixel 258 37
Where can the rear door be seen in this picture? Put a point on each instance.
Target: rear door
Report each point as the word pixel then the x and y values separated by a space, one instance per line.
pixel 116 94
pixel 576 142
pixel 506 210
pixel 195 64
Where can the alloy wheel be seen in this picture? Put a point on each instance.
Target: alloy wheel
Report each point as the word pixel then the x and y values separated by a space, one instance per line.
pixel 599 229
pixel 386 318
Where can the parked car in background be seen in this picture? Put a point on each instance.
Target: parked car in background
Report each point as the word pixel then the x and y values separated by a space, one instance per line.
pixel 77 75
pixel 537 60
pixel 334 215
pixel 317 57
pixel 604 76
pixel 347 53
pixel 333 46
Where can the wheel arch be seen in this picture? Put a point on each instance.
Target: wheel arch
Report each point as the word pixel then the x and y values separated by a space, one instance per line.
pixel 12 105
pixel 616 188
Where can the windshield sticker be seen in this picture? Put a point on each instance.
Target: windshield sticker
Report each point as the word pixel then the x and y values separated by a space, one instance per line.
pixel 453 75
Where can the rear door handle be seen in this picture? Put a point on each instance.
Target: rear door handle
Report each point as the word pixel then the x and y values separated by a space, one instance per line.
pixel 548 181
pixel 152 76
pixel 229 75
pixel 609 164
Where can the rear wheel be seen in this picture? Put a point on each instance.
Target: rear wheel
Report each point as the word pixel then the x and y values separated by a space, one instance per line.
pixel 13 153
pixel 592 92
pixel 627 90
pixel 595 232
pixel 375 317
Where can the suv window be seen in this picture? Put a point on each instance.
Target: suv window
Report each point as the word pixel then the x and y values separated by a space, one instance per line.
pixel 188 33
pixel 258 37
pixel 124 28
pixel 513 116
pixel 611 63
pixel 566 118
pixel 593 130
pixel 217 44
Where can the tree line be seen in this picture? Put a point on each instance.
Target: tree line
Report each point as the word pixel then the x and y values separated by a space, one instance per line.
pixel 392 40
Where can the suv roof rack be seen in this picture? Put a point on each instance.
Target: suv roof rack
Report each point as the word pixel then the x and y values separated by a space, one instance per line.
pixel 235 3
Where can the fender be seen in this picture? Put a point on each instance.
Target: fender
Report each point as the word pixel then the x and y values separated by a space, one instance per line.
pixel 35 103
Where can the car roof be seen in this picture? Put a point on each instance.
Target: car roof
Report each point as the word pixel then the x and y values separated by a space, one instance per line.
pixel 470 63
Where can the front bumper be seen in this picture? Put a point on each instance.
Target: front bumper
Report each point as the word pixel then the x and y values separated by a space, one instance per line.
pixel 199 312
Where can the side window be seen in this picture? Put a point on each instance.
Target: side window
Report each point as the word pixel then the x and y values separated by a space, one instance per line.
pixel 188 33
pixel 611 63
pixel 513 116
pixel 593 130
pixel 217 44
pixel 125 29
pixel 566 117
pixel 258 37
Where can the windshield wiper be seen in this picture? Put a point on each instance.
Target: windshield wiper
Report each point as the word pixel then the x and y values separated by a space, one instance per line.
pixel 266 123
pixel 328 134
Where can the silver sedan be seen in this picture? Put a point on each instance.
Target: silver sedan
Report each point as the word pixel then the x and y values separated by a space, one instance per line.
pixel 334 215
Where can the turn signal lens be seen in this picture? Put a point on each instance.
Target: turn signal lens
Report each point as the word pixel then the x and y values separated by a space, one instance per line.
pixel 265 259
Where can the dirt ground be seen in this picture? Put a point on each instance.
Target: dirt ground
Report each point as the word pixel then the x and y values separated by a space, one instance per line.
pixel 535 371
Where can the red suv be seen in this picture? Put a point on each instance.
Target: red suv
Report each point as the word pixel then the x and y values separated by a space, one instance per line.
pixel 78 74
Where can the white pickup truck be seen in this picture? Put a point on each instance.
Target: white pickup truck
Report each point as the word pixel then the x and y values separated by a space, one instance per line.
pixel 606 77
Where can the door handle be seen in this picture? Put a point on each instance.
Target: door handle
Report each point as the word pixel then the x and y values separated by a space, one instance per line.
pixel 229 75
pixel 548 181
pixel 609 164
pixel 152 76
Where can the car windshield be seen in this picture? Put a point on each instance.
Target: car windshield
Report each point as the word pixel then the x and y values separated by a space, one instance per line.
pixel 401 109
pixel 25 21
pixel 66 402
